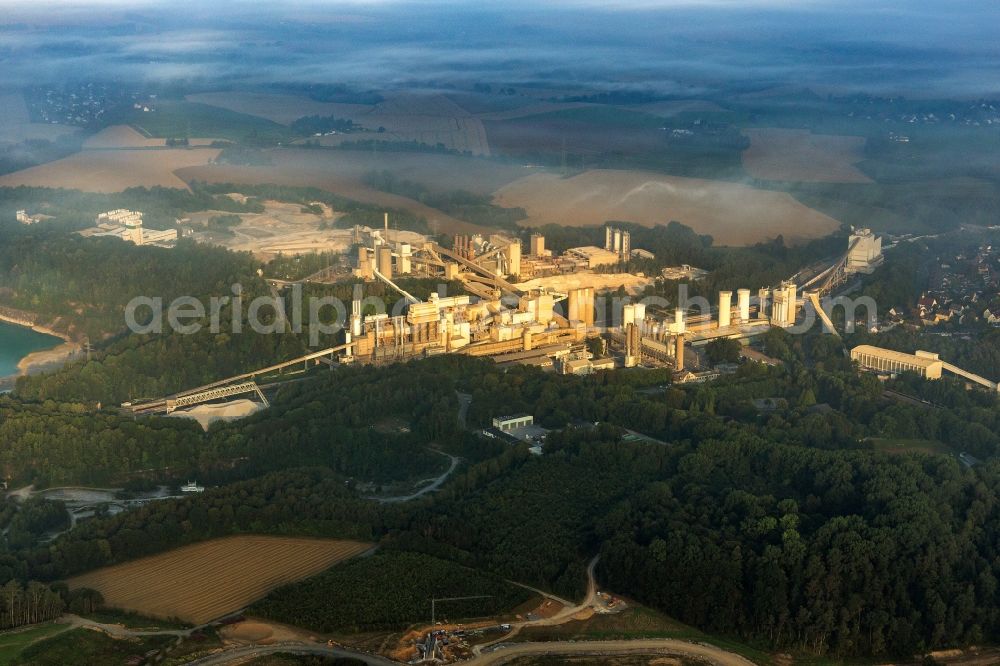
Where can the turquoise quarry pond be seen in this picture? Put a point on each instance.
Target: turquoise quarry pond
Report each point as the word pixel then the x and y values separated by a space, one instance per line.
pixel 16 342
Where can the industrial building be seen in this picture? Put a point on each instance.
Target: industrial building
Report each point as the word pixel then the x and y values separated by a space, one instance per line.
pixel 927 364
pixel 592 256
pixel 23 217
pixel 864 252
pixel 889 361
pixel 127 225
pixel 508 423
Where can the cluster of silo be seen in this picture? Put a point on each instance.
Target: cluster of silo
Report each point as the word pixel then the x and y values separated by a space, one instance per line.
pixel 726 308
pixel 784 304
pixel 581 306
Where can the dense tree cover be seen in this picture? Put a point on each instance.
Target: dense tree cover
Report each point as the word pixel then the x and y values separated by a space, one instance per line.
pixel 74 209
pixel 343 598
pixel 723 350
pixel 28 604
pixel 328 421
pixel 85 284
pixel 33 518
pixel 62 443
pixel 307 501
pixel 779 524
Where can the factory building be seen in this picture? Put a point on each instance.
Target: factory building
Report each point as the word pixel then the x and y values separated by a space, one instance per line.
pixel 864 253
pixel 127 225
pixel 926 364
pixel 23 217
pixel 784 305
pixel 508 423
pixel 593 257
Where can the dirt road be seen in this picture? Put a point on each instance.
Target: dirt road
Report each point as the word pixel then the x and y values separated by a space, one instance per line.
pixel 506 652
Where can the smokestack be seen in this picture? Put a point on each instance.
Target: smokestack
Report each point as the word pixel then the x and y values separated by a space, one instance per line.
pixel 679 354
pixel 387 227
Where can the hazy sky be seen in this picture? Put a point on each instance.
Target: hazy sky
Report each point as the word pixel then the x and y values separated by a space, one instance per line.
pixel 666 45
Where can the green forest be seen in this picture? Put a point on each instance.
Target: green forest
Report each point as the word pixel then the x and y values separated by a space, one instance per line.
pixel 788 527
pixel 343 598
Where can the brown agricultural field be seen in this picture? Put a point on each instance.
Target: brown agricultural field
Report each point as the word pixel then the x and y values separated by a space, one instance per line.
pixel 121 136
pixel 801 156
pixel 125 136
pixel 341 172
pixel 112 170
pixel 204 581
pixel 733 214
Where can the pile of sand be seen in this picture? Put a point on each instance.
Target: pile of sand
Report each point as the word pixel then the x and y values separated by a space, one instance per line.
pixel 233 410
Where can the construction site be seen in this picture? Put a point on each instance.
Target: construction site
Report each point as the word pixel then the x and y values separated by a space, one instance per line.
pixel 541 326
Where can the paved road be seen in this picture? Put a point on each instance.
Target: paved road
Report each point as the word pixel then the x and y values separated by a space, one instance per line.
pixel 240 655
pixel 712 654
pixel 437 483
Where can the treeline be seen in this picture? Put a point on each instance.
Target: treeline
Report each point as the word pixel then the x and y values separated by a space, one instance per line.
pixel 86 284
pixel 28 604
pixel 343 599
pixel 74 209
pixel 305 501
pixel 355 212
pixel 327 421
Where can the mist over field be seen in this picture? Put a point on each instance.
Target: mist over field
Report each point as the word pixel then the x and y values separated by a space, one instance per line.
pixel 689 47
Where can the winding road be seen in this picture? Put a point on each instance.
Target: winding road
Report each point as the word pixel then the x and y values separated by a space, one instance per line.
pixel 436 483
pixel 503 651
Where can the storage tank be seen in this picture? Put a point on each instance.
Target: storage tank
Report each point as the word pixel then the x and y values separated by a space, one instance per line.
pixel 725 308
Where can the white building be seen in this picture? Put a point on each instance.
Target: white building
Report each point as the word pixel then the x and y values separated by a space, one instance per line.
pixel 508 423
pixel 864 253
pixel 127 225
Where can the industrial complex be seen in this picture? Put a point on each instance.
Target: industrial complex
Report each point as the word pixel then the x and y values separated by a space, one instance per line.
pixel 538 326
pixel 127 225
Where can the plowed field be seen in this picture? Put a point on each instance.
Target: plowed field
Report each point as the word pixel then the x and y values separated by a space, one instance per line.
pixel 203 581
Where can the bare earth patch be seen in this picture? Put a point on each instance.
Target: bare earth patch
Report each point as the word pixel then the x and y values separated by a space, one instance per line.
pixel 203 581
pixel 121 136
pixel 733 214
pixel 801 156
pixel 112 170
pixel 341 172
pixel 599 281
